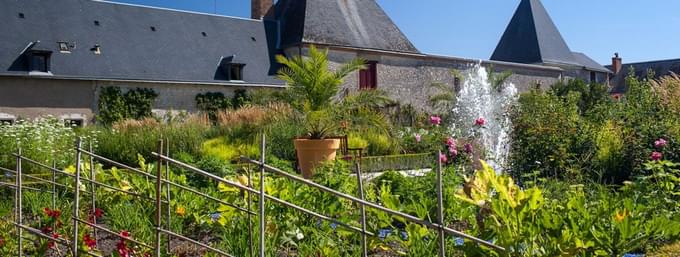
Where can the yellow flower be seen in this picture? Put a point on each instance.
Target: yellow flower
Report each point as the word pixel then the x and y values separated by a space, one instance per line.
pixel 181 211
pixel 243 180
pixel 620 216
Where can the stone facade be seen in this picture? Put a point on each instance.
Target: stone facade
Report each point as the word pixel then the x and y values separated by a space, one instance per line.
pixel 29 98
pixel 407 77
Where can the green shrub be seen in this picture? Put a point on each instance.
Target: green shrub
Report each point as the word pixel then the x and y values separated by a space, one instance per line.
pixel 134 104
pixel 211 103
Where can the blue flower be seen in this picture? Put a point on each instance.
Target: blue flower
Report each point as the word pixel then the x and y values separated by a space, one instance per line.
pixel 383 233
pixel 215 216
pixel 633 255
pixel 334 226
pixel 404 235
pixel 459 241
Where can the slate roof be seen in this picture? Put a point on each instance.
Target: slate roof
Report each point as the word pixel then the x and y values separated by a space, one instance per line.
pixel 352 23
pixel 660 68
pixel 176 51
pixel 532 37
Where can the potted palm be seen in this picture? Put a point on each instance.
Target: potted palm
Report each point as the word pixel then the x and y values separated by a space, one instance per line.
pixel 314 86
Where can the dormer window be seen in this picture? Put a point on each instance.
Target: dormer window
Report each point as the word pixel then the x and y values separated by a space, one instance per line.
pixel 235 71
pixel 231 68
pixel 39 61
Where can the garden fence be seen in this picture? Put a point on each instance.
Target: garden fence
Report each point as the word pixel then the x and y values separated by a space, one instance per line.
pixel 162 197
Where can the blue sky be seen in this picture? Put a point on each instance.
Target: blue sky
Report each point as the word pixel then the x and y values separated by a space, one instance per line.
pixel 639 30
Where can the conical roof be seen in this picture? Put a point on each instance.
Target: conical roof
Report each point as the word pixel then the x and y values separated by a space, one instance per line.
pixel 352 23
pixel 532 37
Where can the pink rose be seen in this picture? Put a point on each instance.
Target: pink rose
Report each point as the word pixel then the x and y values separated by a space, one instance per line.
pixel 442 158
pixel 656 156
pixel 480 121
pixel 451 142
pixel 435 120
pixel 660 143
pixel 453 152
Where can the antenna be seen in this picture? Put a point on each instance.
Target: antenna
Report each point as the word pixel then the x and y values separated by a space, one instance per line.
pixel 215 10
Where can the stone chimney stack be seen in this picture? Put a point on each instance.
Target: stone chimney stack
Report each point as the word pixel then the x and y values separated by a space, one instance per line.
pixel 616 63
pixel 259 8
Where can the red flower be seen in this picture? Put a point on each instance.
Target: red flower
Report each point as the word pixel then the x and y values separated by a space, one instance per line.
pixel 656 156
pixel 50 244
pixel 55 235
pixel 2 242
pixel 480 121
pixel 125 234
pixel 89 241
pixel 46 230
pixel 98 213
pixel 52 213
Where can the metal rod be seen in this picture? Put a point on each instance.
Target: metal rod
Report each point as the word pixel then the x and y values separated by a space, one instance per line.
pixel 250 214
pixel 195 242
pixel 362 210
pixel 117 164
pixel 440 207
pixel 374 205
pixel 207 196
pixel 168 222
pixel 94 194
pixel 268 197
pixel 76 201
pixel 159 166
pixel 10 185
pixel 19 204
pixel 263 222
pixel 54 183
pixel 38 179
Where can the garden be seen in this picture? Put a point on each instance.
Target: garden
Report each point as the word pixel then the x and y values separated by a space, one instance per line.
pixel 587 174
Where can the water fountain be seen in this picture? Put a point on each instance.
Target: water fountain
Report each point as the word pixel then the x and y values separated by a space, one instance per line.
pixel 478 97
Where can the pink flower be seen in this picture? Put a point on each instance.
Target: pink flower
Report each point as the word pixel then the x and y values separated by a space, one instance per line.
pixel 660 143
pixel 468 148
pixel 435 120
pixel 453 152
pixel 442 158
pixel 656 156
pixel 418 138
pixel 480 121
pixel 451 142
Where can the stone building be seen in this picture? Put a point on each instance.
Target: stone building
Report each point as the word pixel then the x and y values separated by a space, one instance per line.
pixel 56 56
pixel 640 70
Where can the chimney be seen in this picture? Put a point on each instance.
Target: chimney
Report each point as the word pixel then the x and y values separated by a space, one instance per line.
pixel 259 8
pixel 616 63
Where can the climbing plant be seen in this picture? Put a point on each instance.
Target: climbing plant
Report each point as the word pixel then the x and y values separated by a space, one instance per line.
pixel 114 105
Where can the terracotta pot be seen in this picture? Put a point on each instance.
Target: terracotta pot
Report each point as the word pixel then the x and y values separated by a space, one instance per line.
pixel 312 152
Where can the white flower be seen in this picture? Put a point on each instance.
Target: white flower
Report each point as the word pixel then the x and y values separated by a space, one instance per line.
pixel 298 234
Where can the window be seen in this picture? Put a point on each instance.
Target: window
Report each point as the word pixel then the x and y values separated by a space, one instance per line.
pixel 73 122
pixel 39 61
pixel 235 71
pixel 593 77
pixel 63 47
pixel 368 78
pixel 21 15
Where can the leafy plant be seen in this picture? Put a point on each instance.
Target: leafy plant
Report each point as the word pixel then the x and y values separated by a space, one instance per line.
pixel 314 86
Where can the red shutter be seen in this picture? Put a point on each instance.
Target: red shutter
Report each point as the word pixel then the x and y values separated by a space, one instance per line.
pixel 368 78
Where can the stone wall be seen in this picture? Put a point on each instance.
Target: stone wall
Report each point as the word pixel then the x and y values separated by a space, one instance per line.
pixel 407 78
pixel 29 98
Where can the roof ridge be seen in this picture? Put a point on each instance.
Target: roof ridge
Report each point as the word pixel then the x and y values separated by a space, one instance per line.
pixel 174 10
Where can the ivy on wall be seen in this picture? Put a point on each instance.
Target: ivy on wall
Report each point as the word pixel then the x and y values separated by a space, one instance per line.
pixel 213 102
pixel 114 105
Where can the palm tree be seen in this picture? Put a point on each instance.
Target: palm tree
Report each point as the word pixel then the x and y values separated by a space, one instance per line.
pixel 314 86
pixel 311 80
